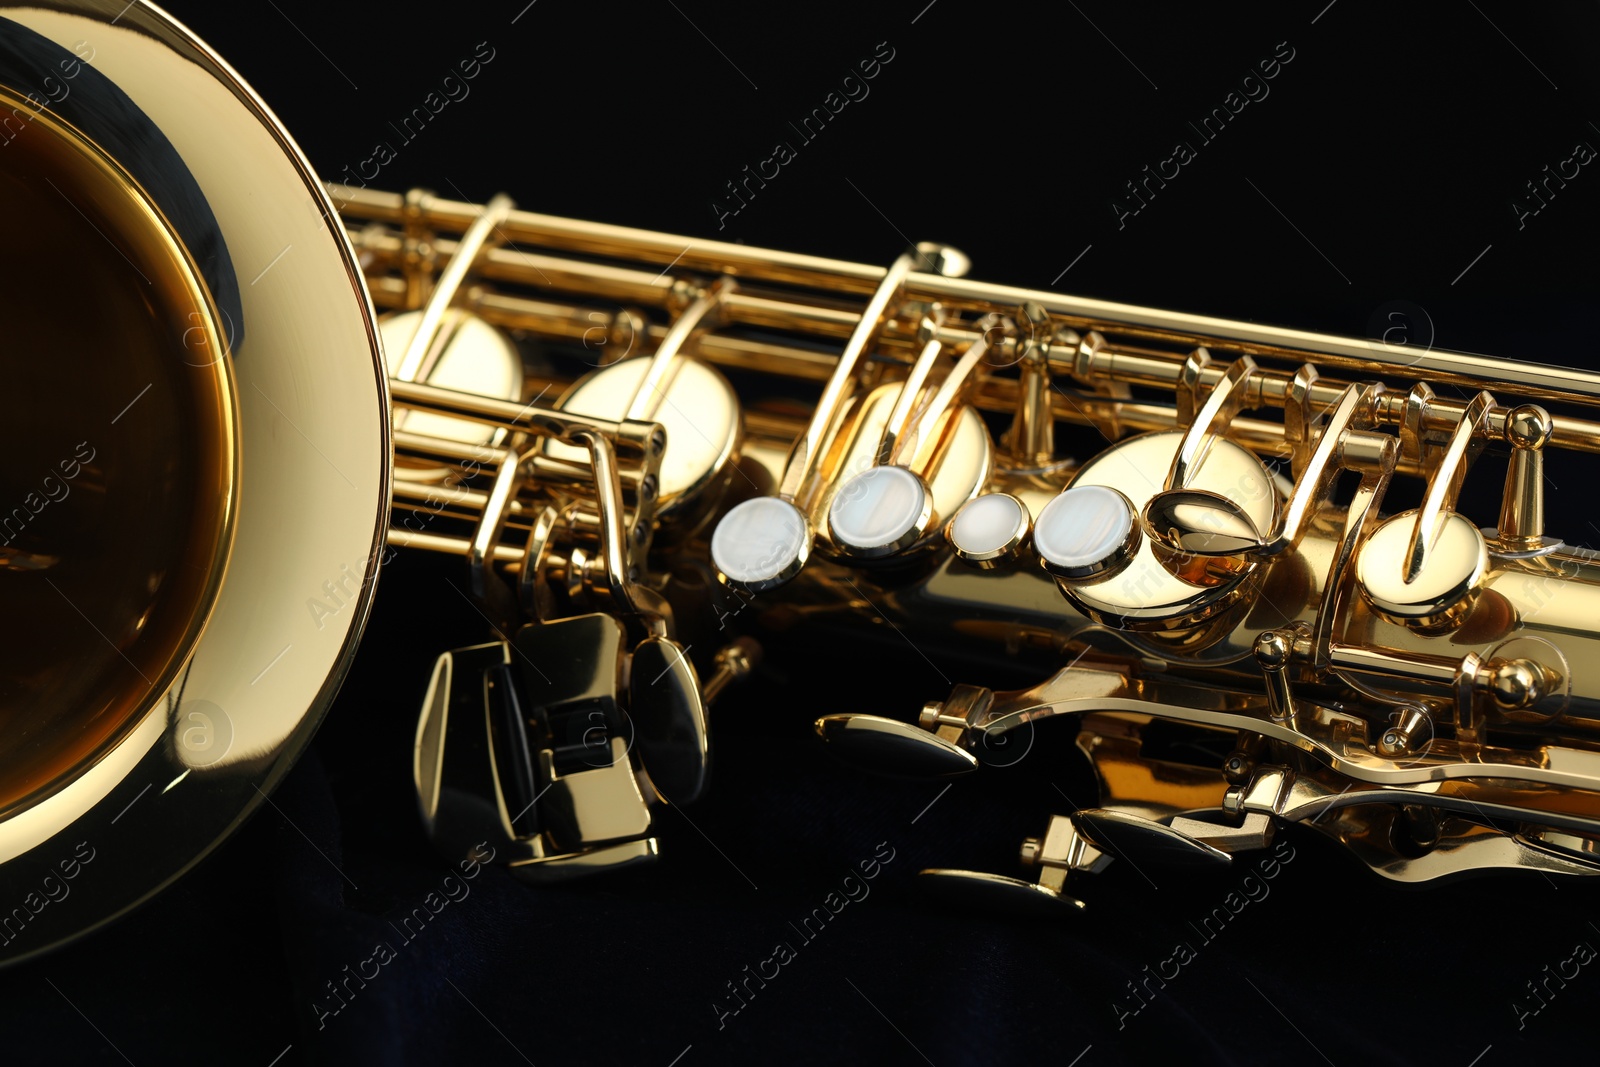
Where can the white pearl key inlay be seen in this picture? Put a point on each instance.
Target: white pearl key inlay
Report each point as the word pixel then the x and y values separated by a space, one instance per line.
pixel 761 543
pixel 988 527
pixel 879 511
pixel 1084 531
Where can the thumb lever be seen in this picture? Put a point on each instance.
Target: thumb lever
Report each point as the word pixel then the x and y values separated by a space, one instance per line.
pixel 668 704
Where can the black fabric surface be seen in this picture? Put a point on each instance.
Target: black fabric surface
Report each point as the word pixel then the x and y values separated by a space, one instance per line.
pixel 1396 141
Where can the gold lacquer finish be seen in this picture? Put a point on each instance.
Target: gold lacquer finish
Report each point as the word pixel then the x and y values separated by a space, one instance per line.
pixel 205 520
pixel 1440 591
pixel 694 404
pixel 1166 590
pixel 721 443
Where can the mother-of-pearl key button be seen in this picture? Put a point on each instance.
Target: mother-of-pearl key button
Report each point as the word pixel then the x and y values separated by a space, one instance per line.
pixel 879 511
pixel 761 543
pixel 1084 531
pixel 988 528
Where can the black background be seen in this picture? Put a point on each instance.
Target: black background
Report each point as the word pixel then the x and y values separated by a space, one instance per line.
pixel 1381 167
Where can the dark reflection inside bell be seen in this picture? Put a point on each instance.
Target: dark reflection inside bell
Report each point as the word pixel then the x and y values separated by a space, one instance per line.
pixel 114 491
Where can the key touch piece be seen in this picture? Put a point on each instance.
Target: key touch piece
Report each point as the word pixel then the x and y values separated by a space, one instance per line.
pixel 1084 531
pixel 989 528
pixel 761 543
pixel 880 511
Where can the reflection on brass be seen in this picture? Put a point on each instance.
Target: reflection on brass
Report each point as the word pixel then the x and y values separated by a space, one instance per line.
pixel 197 438
pixel 116 514
pixel 636 440
pixel 1435 595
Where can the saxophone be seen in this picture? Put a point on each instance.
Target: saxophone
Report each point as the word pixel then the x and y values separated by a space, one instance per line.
pixel 1407 682
pixel 1237 557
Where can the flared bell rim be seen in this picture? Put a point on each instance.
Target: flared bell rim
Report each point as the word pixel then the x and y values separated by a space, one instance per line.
pixel 314 492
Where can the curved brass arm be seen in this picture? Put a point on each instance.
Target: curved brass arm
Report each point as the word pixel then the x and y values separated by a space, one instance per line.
pixel 1445 483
